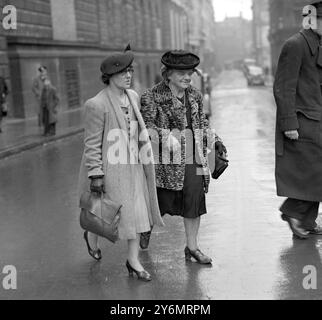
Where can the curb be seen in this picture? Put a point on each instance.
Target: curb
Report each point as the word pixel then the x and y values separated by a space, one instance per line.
pixel 31 145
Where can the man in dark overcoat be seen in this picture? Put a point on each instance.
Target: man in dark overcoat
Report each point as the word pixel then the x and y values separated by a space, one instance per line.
pixel 4 91
pixel 297 92
pixel 37 86
pixel 48 102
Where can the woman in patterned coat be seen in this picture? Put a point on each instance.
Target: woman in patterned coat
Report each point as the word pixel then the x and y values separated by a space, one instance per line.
pixel 173 113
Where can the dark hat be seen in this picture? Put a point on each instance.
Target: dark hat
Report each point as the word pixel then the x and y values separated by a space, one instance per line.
pixel 180 60
pixel 318 6
pixel 117 62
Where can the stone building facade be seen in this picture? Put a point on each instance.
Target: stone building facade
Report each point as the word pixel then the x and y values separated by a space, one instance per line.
pixel 72 37
pixel 4 70
pixel 200 19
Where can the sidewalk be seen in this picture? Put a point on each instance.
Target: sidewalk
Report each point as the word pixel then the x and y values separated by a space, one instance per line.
pixel 22 134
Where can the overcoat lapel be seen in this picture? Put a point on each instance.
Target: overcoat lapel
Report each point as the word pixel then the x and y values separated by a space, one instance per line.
pixel 115 106
pixel 197 127
pixel 142 130
pixel 136 109
pixel 114 103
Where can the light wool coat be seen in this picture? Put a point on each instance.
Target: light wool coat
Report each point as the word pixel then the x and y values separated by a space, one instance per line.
pixel 102 114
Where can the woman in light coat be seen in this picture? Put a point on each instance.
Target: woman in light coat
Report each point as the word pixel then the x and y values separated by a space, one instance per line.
pixel 115 162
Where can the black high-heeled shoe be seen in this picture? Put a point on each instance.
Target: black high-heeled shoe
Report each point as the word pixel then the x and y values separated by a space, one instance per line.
pixel 96 254
pixel 197 255
pixel 142 275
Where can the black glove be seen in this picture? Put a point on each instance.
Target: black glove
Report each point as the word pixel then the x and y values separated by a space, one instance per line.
pixel 220 147
pixel 97 185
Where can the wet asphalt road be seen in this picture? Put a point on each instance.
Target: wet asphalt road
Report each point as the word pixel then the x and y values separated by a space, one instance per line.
pixel 254 254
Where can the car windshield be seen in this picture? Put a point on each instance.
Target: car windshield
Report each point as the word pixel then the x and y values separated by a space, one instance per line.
pixel 255 70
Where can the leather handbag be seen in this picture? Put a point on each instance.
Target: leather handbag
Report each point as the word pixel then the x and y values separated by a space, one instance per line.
pixel 218 163
pixel 93 207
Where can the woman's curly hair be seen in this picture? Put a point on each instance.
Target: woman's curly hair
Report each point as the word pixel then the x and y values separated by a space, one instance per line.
pixel 165 72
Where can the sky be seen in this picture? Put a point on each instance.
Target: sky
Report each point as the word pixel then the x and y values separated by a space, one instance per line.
pixel 232 8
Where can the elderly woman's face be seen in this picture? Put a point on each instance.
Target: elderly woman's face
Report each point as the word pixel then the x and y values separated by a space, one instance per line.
pixel 180 78
pixel 123 79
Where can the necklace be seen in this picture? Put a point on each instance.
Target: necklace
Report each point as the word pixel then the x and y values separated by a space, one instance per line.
pixel 175 91
pixel 182 101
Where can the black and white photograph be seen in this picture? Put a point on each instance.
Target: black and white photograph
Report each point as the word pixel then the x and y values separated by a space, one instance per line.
pixel 160 150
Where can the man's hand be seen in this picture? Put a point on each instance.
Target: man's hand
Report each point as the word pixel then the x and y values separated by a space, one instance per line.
pixel 292 134
pixel 97 185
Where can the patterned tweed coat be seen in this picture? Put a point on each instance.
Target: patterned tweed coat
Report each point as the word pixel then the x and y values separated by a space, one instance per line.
pixel 162 113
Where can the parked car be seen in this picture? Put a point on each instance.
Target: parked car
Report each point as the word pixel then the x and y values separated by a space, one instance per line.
pixel 246 63
pixel 255 76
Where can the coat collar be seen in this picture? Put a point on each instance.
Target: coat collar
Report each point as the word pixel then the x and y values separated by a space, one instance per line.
pixel 143 132
pixel 166 91
pixel 118 112
pixel 312 39
pixel 134 102
pixel 115 105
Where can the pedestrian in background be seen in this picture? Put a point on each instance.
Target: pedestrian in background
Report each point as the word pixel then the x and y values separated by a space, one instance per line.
pixel 48 103
pixel 116 109
pixel 297 91
pixel 37 86
pixel 170 105
pixel 3 100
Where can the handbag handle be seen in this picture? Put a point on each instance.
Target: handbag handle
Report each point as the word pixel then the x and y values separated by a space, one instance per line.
pixel 222 158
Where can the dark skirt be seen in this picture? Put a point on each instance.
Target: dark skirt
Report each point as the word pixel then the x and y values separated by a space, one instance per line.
pixel 189 202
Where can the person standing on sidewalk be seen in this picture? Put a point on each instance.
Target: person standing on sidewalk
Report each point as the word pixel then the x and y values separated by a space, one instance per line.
pixel 297 92
pixel 48 103
pixel 174 105
pixel 37 86
pixel 3 99
pixel 116 111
